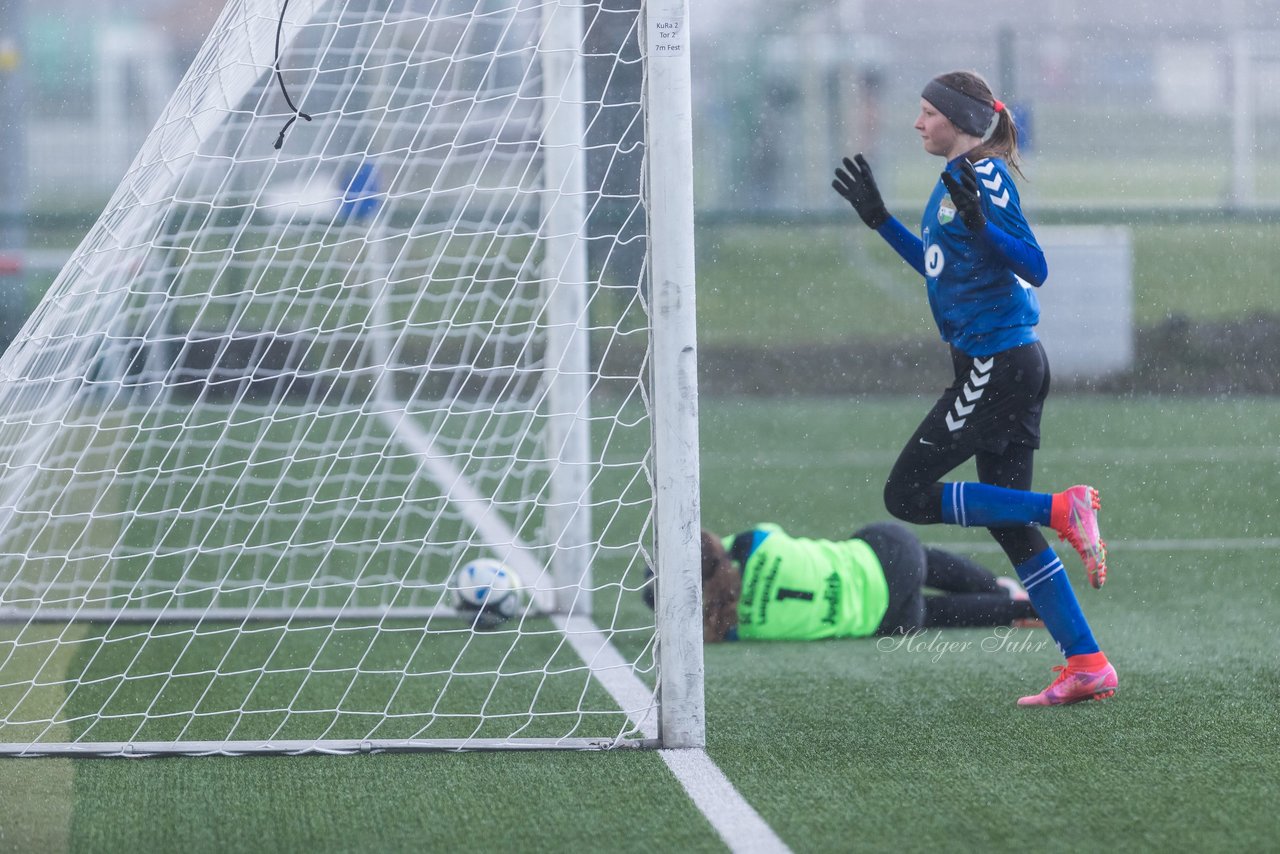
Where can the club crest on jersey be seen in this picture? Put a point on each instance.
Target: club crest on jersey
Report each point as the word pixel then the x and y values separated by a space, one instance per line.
pixel 946 210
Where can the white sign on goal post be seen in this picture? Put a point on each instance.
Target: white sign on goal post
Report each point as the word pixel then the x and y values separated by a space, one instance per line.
pixel 285 399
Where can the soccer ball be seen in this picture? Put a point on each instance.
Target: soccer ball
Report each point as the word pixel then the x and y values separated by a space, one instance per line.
pixel 486 592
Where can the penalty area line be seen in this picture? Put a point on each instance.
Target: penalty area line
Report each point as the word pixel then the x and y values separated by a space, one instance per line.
pixel 740 826
pixel 733 819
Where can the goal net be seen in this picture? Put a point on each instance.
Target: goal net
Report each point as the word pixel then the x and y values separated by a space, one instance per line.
pixel 372 301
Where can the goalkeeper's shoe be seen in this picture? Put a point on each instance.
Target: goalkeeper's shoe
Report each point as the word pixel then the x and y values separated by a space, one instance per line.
pixel 1075 517
pixel 1075 686
pixel 1014 588
pixel 1017 594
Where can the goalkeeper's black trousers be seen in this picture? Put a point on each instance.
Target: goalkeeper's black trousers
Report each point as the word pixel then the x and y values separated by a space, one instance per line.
pixel 971 595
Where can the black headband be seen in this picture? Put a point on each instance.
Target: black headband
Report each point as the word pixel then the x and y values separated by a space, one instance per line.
pixel 970 114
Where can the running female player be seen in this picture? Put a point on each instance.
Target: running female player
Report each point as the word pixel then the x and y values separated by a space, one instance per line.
pixel 980 262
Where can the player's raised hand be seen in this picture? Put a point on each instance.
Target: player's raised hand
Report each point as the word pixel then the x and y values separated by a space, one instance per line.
pixel 965 196
pixel 857 185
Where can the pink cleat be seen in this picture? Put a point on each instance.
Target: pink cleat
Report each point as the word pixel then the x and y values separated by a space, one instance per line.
pixel 1074 686
pixel 1075 517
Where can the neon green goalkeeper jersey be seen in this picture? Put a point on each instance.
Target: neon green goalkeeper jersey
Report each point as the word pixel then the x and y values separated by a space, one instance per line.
pixel 799 589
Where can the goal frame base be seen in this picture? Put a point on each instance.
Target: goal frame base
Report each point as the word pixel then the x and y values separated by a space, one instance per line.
pixel 198 615
pixel 334 747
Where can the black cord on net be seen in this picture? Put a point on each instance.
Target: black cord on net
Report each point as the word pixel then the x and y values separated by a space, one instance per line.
pixel 280 77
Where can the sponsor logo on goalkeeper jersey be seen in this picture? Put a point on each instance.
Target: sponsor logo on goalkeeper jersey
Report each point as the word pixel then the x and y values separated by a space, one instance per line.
pixel 769 581
pixel 746 613
pixel 831 595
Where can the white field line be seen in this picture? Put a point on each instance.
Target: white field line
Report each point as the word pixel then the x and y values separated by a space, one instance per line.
pixel 477 509
pixel 737 823
pixel 740 826
pixel 612 671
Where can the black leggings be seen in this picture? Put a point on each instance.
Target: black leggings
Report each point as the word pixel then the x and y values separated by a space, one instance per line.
pixel 1000 431
pixel 972 596
pixel 1011 469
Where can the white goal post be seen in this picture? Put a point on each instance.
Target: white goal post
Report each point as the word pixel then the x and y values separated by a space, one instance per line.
pixel 391 285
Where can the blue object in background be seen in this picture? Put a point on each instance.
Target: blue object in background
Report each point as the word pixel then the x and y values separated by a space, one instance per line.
pixel 362 196
pixel 1023 120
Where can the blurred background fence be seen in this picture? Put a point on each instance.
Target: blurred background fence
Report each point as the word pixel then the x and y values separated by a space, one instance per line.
pixel 1122 106
pixel 1160 118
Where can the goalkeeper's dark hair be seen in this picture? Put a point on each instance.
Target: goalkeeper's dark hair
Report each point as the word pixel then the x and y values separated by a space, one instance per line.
pixel 721 589
pixel 1003 139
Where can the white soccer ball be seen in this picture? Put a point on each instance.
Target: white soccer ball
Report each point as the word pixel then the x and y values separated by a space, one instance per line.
pixel 487 592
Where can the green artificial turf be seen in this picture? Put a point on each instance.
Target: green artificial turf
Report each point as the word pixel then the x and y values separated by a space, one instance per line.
pixel 844 745
pixel 919 746
pixel 793 284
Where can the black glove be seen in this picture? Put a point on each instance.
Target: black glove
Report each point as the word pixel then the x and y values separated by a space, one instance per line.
pixel 965 196
pixel 855 183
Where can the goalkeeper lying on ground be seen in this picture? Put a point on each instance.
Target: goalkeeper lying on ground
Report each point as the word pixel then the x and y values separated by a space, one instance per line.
pixel 764 584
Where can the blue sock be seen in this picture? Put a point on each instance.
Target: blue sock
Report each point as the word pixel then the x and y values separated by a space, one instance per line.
pixel 1050 590
pixel 979 505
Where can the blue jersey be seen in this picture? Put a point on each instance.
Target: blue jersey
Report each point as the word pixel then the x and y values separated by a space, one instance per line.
pixel 980 305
